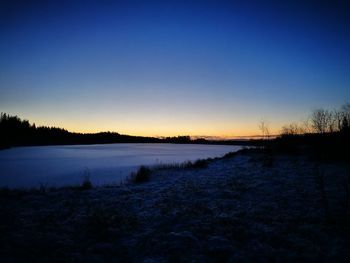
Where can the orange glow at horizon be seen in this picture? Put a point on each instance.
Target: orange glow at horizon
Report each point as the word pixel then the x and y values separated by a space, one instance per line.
pixel 211 129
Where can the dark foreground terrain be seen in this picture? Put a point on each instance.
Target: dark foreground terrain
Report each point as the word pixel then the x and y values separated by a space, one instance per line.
pixel 246 207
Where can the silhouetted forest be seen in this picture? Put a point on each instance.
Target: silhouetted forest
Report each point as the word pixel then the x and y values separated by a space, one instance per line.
pixel 17 132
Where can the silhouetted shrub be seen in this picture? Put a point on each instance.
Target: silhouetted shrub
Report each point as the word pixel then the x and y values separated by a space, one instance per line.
pixel 230 154
pixel 86 185
pixel 201 163
pixel 165 166
pixel 198 164
pixel 142 175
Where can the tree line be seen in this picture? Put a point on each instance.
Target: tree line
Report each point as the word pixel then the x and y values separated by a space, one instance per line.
pixel 17 132
pixel 321 121
pixel 325 133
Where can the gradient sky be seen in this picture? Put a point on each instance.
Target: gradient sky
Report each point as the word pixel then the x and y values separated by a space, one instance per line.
pixel 172 67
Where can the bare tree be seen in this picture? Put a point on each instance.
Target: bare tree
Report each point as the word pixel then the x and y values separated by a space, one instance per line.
pixel 292 129
pixel 265 130
pixel 345 125
pixel 331 127
pixel 338 116
pixel 322 121
pixel 307 126
pixel 346 110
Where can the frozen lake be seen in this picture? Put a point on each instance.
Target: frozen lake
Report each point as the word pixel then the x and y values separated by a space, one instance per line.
pixel 105 163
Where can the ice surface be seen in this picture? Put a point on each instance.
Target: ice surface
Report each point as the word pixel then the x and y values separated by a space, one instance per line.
pixel 105 164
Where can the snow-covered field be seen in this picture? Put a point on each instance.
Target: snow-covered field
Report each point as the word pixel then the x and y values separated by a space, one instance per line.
pixel 250 207
pixel 104 164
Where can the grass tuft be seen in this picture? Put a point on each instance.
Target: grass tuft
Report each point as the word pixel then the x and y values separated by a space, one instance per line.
pixel 201 163
pixel 86 184
pixel 142 175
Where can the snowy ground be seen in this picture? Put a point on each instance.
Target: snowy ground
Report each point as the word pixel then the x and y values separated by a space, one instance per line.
pixel 244 208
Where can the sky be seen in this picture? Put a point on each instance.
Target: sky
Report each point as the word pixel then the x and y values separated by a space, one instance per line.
pixel 167 68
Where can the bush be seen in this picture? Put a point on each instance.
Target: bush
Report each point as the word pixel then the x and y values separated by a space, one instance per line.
pixel 142 175
pixel 201 163
pixel 86 185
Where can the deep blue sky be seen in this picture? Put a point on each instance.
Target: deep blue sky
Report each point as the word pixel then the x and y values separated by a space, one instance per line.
pixel 172 67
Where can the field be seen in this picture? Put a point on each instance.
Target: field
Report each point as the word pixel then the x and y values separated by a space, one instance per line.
pixel 247 206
